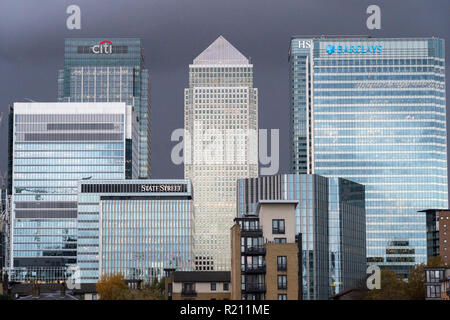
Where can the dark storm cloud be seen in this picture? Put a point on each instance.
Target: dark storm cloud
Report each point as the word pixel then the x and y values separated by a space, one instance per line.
pixel 174 32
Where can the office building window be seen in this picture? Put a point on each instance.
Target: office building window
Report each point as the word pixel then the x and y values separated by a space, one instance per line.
pixel 282 297
pixel 226 286
pixel 213 286
pixel 282 282
pixel 281 263
pixel 279 240
pixel 278 226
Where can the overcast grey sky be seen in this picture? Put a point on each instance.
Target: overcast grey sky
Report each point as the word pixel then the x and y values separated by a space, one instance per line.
pixel 174 32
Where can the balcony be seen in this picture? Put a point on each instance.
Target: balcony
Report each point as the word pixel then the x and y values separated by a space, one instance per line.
pixel 188 293
pixel 255 269
pixel 251 231
pixel 255 250
pixel 255 287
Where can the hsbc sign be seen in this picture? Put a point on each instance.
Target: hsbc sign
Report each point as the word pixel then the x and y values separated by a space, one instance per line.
pixel 105 47
pixel 304 44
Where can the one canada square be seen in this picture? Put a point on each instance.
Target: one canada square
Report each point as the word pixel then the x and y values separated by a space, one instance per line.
pixel 221 122
pixel 373 110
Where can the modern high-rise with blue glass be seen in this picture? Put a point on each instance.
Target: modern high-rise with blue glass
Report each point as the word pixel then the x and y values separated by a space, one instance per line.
pixel 373 111
pixel 110 70
pixel 54 146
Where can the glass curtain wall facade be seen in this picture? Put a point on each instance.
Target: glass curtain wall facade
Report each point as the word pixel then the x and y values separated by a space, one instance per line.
pixel 134 227
pixel 346 234
pixel 54 146
pixel 111 70
pixel 221 122
pixel 373 111
pixel 331 219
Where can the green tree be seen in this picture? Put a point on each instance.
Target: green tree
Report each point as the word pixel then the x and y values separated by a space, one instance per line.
pixel 415 287
pixel 149 291
pixel 392 287
pixel 435 261
pixel 112 287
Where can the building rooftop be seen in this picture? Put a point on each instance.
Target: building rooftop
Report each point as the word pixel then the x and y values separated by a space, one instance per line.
pixel 221 52
pixel 357 36
pixel 433 210
pixel 260 202
pixel 49 296
pixel 328 36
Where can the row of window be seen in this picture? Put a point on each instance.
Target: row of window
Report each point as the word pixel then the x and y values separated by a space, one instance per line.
pixel 330 62
pixel 189 287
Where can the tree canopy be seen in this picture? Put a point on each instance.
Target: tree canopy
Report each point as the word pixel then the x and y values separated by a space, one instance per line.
pixel 113 287
pixel 394 288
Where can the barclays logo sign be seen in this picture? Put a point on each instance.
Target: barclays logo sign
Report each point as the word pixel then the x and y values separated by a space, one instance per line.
pixel 361 49
pixel 330 49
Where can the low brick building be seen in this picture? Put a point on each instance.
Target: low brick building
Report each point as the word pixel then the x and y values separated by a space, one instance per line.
pixel 198 285
pixel 438 234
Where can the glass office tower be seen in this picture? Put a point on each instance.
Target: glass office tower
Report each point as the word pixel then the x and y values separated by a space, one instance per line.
pixel 134 227
pixel 331 218
pixel 110 70
pixel 54 146
pixel 221 123
pixel 373 111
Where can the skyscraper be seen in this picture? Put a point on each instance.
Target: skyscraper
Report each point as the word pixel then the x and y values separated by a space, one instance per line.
pixel 221 122
pixel 110 70
pixel 54 146
pixel 373 111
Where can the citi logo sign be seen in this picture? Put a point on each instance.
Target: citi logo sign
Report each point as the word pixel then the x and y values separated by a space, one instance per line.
pixel 104 47
pixel 303 44
pixel 354 49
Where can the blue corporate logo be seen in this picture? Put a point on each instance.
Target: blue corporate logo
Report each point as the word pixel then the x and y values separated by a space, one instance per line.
pixel 330 48
pixel 354 49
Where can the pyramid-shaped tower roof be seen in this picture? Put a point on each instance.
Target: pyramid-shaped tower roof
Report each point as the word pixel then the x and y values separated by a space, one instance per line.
pixel 221 52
